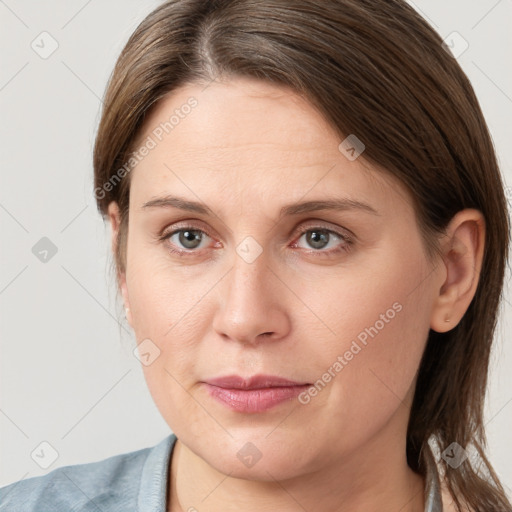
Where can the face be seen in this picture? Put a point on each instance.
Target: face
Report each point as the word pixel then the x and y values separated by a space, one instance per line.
pixel 336 299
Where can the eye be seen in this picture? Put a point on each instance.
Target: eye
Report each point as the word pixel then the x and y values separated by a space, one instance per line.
pixel 186 239
pixel 320 238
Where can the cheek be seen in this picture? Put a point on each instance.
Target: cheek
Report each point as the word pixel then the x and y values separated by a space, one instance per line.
pixel 381 322
pixel 165 309
pixel 163 295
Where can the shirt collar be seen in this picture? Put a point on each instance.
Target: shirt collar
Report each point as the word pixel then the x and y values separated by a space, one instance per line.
pixel 433 501
pixel 153 483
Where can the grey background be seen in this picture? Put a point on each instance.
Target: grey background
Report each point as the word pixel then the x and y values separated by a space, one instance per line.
pixel 68 374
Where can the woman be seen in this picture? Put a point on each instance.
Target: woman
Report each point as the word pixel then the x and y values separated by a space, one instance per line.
pixel 310 235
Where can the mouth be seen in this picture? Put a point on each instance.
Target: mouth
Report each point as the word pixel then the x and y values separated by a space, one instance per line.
pixel 254 394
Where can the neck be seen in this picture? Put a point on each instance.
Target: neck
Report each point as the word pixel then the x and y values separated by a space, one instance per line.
pixel 374 477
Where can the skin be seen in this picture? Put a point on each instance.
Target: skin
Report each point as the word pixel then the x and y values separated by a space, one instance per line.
pixel 246 150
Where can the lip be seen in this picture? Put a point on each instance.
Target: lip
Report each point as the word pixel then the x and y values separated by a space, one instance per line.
pixel 253 394
pixel 255 382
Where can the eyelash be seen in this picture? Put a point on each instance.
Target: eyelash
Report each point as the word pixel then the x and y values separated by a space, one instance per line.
pixel 345 247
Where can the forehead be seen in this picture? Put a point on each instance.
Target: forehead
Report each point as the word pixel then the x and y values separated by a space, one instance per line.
pixel 251 137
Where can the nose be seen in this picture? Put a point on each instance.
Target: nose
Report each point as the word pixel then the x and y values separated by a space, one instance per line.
pixel 252 303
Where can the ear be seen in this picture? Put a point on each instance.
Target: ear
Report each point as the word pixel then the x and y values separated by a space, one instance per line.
pixel 463 250
pixel 115 221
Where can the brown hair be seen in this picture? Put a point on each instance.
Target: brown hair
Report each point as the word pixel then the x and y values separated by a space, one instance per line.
pixel 376 69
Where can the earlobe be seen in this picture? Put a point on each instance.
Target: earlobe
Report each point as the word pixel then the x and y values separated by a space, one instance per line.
pixel 126 300
pixel 115 221
pixel 463 250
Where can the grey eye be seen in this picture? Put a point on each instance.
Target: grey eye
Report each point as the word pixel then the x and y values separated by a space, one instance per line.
pixel 317 239
pixel 189 238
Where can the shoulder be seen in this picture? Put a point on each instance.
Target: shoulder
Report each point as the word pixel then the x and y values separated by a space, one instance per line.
pixel 448 504
pixel 113 482
pixel 77 485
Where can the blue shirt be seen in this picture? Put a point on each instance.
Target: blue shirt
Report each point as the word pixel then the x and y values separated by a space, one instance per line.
pixel 130 482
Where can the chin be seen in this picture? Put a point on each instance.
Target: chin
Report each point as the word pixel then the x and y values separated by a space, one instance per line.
pixel 252 457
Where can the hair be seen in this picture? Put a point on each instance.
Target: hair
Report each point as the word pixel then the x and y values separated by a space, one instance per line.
pixel 376 69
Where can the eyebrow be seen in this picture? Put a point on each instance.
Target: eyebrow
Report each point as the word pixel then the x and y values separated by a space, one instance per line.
pixel 338 204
